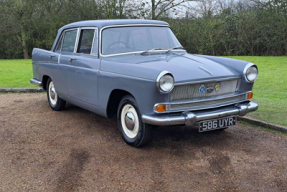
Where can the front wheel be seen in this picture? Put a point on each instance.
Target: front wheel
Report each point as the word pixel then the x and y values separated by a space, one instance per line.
pixel 56 103
pixel 132 129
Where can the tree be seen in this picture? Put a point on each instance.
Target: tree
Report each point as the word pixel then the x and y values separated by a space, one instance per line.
pixel 160 7
pixel 18 17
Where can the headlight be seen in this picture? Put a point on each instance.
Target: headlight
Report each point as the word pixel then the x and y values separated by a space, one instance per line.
pixel 251 72
pixel 165 82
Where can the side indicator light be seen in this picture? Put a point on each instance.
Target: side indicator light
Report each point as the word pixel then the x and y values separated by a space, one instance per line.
pixel 249 95
pixel 160 108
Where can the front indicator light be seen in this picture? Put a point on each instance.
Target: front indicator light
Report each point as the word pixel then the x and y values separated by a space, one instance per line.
pixel 160 108
pixel 249 95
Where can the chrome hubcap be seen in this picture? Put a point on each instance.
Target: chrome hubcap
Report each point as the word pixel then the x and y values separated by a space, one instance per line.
pixel 130 120
pixel 52 92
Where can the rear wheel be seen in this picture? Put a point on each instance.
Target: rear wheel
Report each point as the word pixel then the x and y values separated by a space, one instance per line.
pixel 132 129
pixel 56 103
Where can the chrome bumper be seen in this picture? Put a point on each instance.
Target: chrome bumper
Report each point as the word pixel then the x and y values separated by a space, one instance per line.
pixel 190 118
pixel 36 82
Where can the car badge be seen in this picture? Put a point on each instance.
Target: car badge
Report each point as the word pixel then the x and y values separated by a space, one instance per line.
pixel 217 86
pixel 202 89
pixel 209 90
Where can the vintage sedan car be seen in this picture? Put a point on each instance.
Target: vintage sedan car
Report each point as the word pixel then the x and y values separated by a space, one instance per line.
pixel 137 71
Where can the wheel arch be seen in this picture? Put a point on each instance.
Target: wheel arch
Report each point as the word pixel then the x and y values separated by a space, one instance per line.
pixel 114 100
pixel 44 81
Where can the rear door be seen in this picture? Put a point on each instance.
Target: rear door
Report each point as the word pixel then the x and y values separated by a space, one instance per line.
pixel 86 64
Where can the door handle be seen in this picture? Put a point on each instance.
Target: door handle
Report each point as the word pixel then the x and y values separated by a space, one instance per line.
pixel 71 59
pixel 51 56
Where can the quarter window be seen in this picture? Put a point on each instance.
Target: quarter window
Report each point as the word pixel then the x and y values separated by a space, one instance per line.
pixel 69 41
pixel 86 41
pixel 59 46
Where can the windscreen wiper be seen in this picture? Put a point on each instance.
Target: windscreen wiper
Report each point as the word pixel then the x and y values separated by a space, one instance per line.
pixel 155 49
pixel 177 47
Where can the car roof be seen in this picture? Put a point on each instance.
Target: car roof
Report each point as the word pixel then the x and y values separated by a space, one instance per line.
pixel 103 23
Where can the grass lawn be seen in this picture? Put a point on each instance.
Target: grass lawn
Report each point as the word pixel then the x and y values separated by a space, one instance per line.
pixel 16 73
pixel 270 89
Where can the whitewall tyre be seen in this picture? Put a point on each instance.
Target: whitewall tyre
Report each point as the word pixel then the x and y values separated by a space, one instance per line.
pixel 56 103
pixel 132 129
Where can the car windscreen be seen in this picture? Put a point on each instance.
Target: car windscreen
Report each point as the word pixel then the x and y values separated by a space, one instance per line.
pixel 118 40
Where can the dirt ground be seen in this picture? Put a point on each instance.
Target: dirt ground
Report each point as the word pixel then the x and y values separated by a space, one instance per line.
pixel 75 150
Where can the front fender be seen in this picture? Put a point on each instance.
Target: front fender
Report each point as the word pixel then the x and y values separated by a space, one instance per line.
pixel 143 90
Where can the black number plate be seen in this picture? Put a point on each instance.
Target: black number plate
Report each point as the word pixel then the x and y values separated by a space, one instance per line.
pixel 213 124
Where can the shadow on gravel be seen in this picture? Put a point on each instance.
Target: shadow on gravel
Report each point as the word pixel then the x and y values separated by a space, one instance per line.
pixel 70 173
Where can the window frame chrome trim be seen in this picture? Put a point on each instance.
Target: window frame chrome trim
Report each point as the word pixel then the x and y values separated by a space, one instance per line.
pixel 63 34
pixel 94 37
pixel 77 40
pixel 128 25
pixel 61 38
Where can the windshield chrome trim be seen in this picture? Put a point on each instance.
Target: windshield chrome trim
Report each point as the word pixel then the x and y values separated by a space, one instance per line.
pixel 128 25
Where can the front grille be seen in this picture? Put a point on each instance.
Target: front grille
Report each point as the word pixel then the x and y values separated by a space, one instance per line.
pixel 208 103
pixel 191 91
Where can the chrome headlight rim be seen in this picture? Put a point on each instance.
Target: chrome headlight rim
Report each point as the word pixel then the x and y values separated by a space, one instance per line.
pixel 162 74
pixel 249 65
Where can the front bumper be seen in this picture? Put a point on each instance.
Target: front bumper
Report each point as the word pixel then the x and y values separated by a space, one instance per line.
pixel 190 118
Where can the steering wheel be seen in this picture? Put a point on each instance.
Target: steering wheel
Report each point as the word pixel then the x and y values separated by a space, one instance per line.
pixel 116 43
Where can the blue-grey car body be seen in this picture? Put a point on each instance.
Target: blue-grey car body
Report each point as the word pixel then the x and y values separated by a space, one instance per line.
pixel 88 80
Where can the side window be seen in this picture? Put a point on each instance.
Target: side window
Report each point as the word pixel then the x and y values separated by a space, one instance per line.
pixel 59 46
pixel 69 41
pixel 86 41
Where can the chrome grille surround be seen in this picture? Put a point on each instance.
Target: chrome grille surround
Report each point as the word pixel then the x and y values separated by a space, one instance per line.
pixel 191 91
pixel 203 103
pixel 206 104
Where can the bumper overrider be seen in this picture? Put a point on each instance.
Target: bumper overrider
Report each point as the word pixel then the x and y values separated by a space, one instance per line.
pixel 190 118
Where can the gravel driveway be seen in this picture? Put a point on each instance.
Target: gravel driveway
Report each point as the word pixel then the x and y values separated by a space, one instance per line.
pixel 75 150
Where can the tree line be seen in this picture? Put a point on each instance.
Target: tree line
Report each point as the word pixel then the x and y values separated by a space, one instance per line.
pixel 212 27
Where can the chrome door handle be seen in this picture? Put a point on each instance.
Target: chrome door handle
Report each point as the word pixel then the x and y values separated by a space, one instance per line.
pixel 51 56
pixel 71 59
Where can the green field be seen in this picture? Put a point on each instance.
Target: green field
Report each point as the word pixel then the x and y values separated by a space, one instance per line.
pixel 270 89
pixel 16 73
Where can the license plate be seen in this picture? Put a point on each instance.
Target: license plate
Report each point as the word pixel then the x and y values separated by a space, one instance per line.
pixel 213 124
